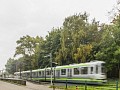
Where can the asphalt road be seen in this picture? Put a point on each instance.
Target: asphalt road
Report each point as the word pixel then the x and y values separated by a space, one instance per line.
pixel 29 86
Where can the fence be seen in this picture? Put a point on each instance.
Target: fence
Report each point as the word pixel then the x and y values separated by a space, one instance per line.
pixel 16 81
pixel 110 85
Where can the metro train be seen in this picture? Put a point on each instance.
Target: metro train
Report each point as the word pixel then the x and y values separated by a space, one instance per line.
pixel 93 72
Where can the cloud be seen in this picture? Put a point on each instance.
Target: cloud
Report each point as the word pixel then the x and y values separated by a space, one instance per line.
pixel 36 17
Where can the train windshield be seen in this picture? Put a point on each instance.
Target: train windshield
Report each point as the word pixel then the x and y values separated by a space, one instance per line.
pixel 103 70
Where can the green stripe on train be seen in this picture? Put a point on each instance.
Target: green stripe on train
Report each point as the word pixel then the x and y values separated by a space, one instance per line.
pixel 70 66
pixel 72 79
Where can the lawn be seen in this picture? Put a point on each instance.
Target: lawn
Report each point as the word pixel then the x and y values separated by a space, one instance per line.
pixel 110 85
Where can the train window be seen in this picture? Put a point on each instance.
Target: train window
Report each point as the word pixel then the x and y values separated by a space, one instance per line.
pixel 96 69
pixel 76 71
pixel 103 68
pixel 63 71
pixel 42 73
pixel 27 74
pixel 39 73
pixel 58 73
pixel 91 70
pixel 33 73
pixel 48 72
pixel 84 70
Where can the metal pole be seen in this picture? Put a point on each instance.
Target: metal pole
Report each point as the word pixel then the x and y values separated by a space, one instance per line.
pixel 30 71
pixel 119 69
pixel 30 68
pixel 51 66
pixel 66 83
pixel 116 85
pixel 85 85
pixel 54 80
pixel 45 74
pixel 20 72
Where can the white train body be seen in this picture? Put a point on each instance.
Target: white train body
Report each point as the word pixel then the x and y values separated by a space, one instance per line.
pixel 94 70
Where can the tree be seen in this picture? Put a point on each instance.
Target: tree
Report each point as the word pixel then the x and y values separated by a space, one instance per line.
pixel 109 47
pixel 82 52
pixel 29 48
pixel 116 35
pixel 11 66
pixel 72 36
pixel 77 34
pixel 52 44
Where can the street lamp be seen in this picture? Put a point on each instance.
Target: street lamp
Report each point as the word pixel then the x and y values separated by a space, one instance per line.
pixel 19 67
pixel 51 66
pixel 54 64
pixel 50 55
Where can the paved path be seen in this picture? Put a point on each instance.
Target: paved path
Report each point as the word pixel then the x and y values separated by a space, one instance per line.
pixel 29 86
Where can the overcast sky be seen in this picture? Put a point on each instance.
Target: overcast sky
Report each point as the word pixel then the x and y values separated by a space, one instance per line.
pixel 36 17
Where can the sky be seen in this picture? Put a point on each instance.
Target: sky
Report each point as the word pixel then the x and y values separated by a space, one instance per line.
pixel 36 17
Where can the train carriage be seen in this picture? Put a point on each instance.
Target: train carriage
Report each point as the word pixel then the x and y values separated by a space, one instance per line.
pixel 90 72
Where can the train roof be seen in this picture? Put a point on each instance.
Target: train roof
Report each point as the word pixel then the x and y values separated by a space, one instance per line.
pixel 94 62
pixel 80 64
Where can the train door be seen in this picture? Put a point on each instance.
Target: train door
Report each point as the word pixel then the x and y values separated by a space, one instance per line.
pixel 58 73
pixel 69 74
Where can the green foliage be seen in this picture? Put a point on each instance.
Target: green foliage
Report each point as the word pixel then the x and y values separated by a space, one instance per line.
pixel 11 66
pixel 29 48
pixel 109 50
pixel 82 52
pixel 76 41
